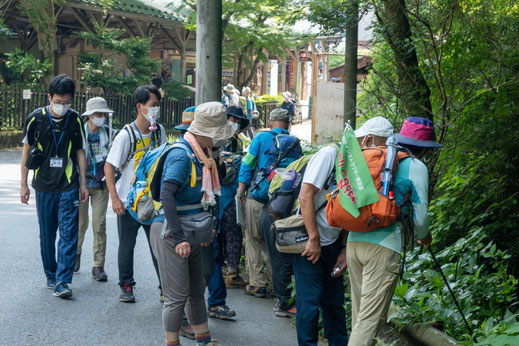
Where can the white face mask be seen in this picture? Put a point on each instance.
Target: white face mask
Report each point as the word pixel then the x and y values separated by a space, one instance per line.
pixel 153 112
pixel 235 126
pixel 99 122
pixel 219 143
pixel 59 109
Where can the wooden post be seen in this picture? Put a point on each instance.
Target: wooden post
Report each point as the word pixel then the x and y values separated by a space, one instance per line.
pixel 315 72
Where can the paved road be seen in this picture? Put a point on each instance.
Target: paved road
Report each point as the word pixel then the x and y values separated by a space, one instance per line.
pixel 30 315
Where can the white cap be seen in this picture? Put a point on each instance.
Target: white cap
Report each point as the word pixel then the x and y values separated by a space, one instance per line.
pixel 377 126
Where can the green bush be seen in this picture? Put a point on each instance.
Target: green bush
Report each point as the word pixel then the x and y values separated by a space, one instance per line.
pixel 269 98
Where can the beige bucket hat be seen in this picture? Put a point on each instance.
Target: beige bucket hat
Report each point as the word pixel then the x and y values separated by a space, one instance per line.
pixel 96 104
pixel 229 88
pixel 211 121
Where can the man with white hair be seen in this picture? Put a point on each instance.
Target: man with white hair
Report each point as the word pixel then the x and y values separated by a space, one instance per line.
pixel 249 107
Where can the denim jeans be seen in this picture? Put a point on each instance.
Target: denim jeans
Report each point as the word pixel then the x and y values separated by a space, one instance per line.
pixel 280 262
pixel 217 291
pixel 58 211
pixel 316 289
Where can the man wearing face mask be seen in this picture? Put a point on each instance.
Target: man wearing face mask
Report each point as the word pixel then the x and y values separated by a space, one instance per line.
pixel 96 151
pixel 53 148
pixel 127 150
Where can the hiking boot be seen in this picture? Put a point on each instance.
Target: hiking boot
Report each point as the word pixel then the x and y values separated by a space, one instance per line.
pixel 280 311
pixel 127 294
pixel 98 273
pixel 234 281
pixel 213 342
pixel 259 292
pixel 220 311
pixel 161 296
pixel 51 283
pixel 78 263
pixel 62 290
pixel 187 332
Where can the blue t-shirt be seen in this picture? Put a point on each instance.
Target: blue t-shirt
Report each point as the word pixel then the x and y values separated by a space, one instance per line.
pixel 177 167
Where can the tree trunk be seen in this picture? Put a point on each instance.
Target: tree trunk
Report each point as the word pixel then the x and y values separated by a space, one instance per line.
pixel 414 91
pixel 247 80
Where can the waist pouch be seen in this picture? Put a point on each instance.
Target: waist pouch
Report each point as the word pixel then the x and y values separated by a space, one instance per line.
pixel 35 159
pixel 198 227
pixel 291 234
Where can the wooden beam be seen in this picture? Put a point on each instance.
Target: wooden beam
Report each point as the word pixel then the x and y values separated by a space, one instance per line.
pixel 171 38
pixel 83 23
pixel 107 20
pixel 187 36
pixel 126 26
pixel 179 38
pixel 150 29
pixel 139 28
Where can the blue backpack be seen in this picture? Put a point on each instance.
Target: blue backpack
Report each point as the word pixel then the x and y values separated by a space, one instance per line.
pixel 284 149
pixel 143 200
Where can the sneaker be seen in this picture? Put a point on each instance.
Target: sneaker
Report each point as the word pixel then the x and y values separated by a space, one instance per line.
pixel 62 290
pixel 259 292
pixel 98 273
pixel 283 312
pixel 187 332
pixel 161 296
pixel 221 311
pixel 51 283
pixel 127 294
pixel 213 342
pixel 234 281
pixel 78 263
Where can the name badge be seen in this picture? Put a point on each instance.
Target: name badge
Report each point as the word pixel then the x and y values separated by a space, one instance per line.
pixel 56 162
pixel 99 158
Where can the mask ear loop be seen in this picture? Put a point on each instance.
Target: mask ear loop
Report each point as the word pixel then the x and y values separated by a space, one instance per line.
pixel 363 143
pixel 372 141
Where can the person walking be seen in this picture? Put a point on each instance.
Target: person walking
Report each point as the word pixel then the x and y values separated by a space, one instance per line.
pixel 374 257
pixel 189 184
pixel 288 104
pixel 249 108
pixel 325 253
pixel 228 92
pixel 256 162
pixel 53 147
pixel 127 150
pixel 96 150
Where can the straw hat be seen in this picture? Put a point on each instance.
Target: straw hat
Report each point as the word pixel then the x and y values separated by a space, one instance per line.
pixel 96 104
pixel 211 121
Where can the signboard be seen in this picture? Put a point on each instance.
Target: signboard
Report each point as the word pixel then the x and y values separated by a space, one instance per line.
pixel 305 56
pixel 26 94
pixel 291 74
pixel 227 73
pixel 175 69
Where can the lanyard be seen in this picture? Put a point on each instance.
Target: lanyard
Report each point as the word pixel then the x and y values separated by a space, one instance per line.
pixel 56 143
pixel 142 140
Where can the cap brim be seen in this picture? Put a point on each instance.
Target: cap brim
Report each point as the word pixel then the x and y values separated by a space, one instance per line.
pixel 416 142
pixel 102 110
pixel 182 127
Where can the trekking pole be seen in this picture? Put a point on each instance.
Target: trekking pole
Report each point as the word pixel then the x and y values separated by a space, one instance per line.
pixel 450 290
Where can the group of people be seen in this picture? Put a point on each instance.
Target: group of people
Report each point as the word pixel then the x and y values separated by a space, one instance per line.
pixel 231 97
pixel 196 239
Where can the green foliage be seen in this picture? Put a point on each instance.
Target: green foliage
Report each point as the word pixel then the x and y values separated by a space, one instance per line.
pixel 477 272
pixel 103 68
pixel 173 90
pixel 269 98
pixel 27 68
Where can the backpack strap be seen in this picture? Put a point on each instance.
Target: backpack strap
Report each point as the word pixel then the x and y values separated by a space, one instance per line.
pixel 39 127
pixel 133 144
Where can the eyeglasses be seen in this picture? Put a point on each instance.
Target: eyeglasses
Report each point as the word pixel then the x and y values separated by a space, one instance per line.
pixel 63 103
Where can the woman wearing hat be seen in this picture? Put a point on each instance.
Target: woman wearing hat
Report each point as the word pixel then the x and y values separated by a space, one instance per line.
pixel 374 257
pixel 189 185
pixel 96 151
pixel 288 104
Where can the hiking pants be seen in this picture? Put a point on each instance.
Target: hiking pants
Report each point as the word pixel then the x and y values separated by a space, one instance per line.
pixel 233 236
pixel 183 283
pixel 374 272
pixel 127 228
pixel 216 289
pixel 99 200
pixel 254 244
pixel 316 289
pixel 58 211
pixel 280 262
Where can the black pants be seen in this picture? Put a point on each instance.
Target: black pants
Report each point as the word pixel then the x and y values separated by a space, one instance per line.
pixel 127 228
pixel 280 262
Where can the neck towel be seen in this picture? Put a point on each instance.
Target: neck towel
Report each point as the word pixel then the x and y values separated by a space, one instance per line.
pixel 210 180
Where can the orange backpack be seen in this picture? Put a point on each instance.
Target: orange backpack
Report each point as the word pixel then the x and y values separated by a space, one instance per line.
pixel 373 216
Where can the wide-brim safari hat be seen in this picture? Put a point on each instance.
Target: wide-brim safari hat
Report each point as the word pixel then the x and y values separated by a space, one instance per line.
pixel 229 88
pixel 211 121
pixel 286 94
pixel 237 112
pixel 96 105
pixel 419 132
pixel 187 118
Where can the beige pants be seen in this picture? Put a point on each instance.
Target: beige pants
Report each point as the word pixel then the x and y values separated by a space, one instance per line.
pixel 373 271
pixel 99 200
pixel 255 245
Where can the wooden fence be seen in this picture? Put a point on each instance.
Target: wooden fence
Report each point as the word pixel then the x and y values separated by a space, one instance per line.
pixel 264 108
pixel 14 108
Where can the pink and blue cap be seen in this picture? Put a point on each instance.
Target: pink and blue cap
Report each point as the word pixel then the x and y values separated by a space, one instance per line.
pixel 419 132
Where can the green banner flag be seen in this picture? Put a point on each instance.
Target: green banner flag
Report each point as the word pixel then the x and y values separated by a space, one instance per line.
pixel 356 188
